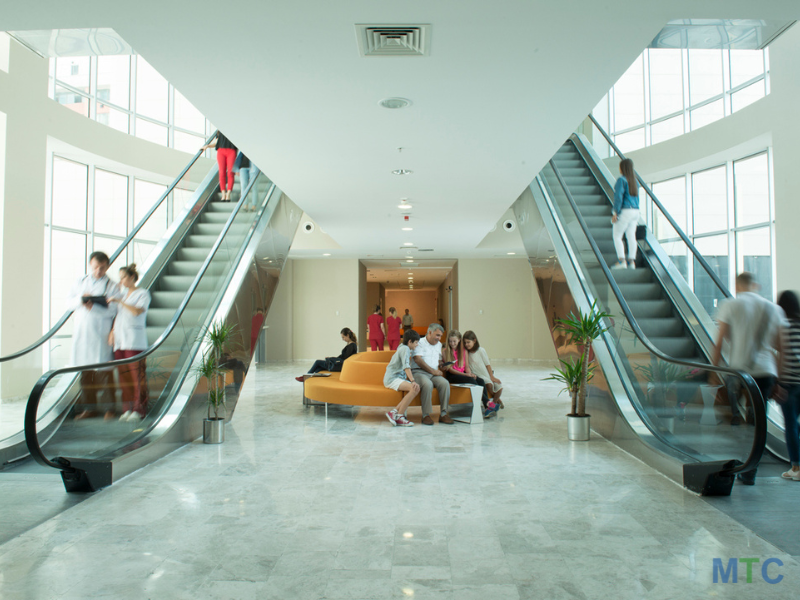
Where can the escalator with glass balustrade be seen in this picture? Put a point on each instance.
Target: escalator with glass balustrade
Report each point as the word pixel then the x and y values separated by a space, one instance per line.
pixel 656 393
pixel 218 262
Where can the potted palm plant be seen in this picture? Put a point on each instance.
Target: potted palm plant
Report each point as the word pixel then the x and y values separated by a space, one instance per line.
pixel 571 375
pixel 211 368
pixel 662 389
pixel 582 329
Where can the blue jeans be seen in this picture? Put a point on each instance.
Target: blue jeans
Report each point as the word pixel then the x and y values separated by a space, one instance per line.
pixel 319 365
pixel 245 175
pixel 791 410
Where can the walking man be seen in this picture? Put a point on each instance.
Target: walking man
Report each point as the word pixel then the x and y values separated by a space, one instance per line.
pixel 408 321
pixel 425 369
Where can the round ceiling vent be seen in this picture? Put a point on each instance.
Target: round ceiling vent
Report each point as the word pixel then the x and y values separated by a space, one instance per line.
pixel 509 226
pixel 308 227
pixel 395 103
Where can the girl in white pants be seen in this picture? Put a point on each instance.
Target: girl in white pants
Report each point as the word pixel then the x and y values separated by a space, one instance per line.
pixel 625 214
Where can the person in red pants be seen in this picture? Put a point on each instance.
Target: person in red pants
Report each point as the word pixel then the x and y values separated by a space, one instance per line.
pixel 375 329
pixel 393 329
pixel 129 338
pixel 226 156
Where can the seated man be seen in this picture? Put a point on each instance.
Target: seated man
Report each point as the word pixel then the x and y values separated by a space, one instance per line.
pixel 425 369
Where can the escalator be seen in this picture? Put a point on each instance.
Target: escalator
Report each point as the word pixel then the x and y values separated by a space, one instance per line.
pixel 217 262
pixel 655 394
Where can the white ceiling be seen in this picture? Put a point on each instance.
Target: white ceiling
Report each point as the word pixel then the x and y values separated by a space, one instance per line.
pixel 504 85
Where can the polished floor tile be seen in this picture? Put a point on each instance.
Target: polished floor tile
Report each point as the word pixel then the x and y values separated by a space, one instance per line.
pixel 297 506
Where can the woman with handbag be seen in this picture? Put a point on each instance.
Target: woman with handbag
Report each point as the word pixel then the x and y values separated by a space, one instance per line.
pixel 334 363
pixel 625 214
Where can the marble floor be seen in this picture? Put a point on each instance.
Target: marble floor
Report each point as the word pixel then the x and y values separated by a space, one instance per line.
pixel 294 506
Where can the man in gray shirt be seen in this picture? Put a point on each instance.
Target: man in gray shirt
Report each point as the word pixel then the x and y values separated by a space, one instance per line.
pixel 408 321
pixel 425 369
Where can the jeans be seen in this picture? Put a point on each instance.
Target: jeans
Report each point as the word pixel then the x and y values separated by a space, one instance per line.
pixel 791 410
pixel 245 175
pixel 319 365
pixel 627 220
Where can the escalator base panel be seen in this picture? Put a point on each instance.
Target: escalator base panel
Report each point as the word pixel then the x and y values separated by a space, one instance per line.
pixel 710 478
pixel 88 476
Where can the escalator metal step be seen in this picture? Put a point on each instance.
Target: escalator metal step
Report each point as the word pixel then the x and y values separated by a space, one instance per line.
pixel 662 328
pixel 640 291
pixel 643 309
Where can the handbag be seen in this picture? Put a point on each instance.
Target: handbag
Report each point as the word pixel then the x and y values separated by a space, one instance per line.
pixel 641 232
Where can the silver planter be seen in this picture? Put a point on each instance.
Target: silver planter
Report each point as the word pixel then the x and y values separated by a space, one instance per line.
pixel 578 428
pixel 213 431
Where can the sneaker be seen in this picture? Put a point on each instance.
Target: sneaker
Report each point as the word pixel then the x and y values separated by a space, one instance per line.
pixel 401 421
pixel 301 379
pixel 489 413
pixel 631 264
pixel 620 265
pixel 795 475
pixel 134 417
pixel 393 417
pixel 125 415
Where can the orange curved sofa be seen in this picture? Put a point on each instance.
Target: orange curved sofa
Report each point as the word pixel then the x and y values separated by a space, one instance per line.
pixel 361 384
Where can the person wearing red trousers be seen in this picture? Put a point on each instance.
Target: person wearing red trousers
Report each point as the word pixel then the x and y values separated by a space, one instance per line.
pixel 226 156
pixel 393 329
pixel 375 329
pixel 129 338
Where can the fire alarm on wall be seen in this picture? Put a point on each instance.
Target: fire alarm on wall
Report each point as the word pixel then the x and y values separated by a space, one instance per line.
pixel 405 217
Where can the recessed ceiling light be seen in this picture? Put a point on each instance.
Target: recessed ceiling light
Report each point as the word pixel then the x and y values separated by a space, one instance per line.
pixel 408 243
pixel 410 273
pixel 401 172
pixel 408 229
pixel 404 206
pixel 510 253
pixel 412 260
pixel 395 103
pixel 328 254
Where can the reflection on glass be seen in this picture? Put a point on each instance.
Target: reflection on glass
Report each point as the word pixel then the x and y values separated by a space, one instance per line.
pixel 751 190
pixel 67 263
pixel 151 132
pixel 70 181
pixel 705 75
pixel 145 194
pixel 709 113
pixel 629 97
pixel 72 100
pixel 152 92
pixel 113 80
pixel 179 199
pixel 714 250
pixel 110 203
pixel 747 96
pixel 753 254
pixel 633 140
pixel 709 192
pixel 666 130
pixel 74 71
pixel 666 82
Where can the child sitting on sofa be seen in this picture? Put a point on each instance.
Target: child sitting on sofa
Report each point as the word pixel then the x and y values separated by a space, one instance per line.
pixel 398 377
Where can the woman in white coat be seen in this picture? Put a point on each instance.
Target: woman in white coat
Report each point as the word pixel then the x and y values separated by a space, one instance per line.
pixel 93 321
pixel 129 338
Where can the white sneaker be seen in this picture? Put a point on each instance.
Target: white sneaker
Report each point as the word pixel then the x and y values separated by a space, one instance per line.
pixel 125 415
pixel 392 416
pixel 631 264
pixel 620 265
pixel 134 417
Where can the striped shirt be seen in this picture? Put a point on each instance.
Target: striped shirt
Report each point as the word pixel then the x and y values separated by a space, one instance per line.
pixel 791 357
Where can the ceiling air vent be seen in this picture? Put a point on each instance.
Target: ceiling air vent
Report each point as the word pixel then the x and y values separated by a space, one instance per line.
pixel 426 250
pixel 393 40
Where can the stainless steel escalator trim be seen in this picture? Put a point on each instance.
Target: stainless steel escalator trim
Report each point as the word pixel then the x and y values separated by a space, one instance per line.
pixel 759 439
pixel 31 434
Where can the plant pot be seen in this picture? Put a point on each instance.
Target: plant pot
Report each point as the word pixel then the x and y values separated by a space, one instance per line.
pixel 213 431
pixel 578 428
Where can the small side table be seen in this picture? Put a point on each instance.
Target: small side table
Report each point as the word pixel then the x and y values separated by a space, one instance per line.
pixel 476 418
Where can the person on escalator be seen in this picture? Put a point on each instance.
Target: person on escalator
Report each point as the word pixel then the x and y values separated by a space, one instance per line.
pixel 247 172
pixel 752 325
pixel 129 338
pixel 787 390
pixel 625 214
pixel 226 155
pixel 94 317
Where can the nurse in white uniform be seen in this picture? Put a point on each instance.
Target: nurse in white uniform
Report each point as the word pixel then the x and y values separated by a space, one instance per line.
pixel 93 323
pixel 129 338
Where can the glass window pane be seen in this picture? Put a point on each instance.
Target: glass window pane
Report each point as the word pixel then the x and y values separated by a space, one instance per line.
pixel 110 203
pixel 67 264
pixel 672 194
pixel 187 142
pixel 710 201
pixel 114 80
pixel 74 71
pixel 179 199
pixel 152 92
pixel 187 116
pixel 633 140
pixel 141 250
pixel 705 75
pixel 145 194
pixel 747 96
pixel 666 130
pixel 629 97
pixel 72 100
pixel 753 254
pixel 109 245
pixel 151 132
pixel 115 119
pixel 746 64
pixel 751 190
pixel 666 82
pixel 69 194
pixel 714 250
pixel 707 114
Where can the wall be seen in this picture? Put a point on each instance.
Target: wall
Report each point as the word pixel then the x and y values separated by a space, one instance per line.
pixel 497 300
pixel 280 318
pixel 443 298
pixel 420 303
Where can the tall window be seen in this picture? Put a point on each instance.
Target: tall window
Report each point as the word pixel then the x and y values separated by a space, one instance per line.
pixel 727 212
pixel 92 209
pixel 666 93
pixel 127 94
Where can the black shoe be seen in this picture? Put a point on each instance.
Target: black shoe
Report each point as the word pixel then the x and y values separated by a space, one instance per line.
pixel 745 479
pixel 736 421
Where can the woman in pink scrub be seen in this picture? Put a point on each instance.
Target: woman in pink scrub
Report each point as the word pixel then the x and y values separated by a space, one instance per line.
pixel 375 329
pixel 393 329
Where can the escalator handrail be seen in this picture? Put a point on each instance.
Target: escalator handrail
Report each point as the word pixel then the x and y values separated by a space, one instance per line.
pixel 759 408
pixel 697 255
pixel 54 329
pixel 32 408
